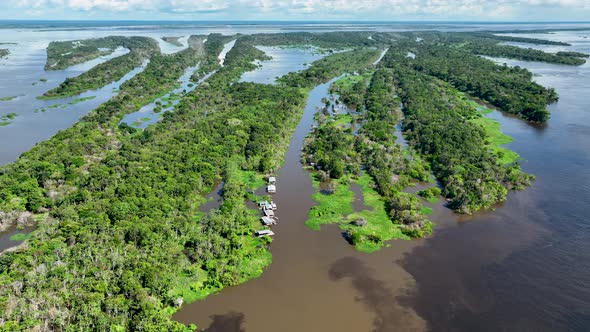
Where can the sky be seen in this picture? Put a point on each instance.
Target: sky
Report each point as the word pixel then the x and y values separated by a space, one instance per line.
pixel 308 10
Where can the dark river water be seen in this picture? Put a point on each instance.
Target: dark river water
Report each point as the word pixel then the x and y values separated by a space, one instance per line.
pixel 523 267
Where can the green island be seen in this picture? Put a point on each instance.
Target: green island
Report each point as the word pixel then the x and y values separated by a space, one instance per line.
pixel 120 243
pixel 9 98
pixel 173 40
pixel 4 52
pixel 8 116
pixel 63 54
pixel 573 54
pixel 5 119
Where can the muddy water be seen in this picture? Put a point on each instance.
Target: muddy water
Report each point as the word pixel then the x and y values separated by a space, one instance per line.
pixel 213 200
pixel 358 203
pixel 316 282
pixel 5 237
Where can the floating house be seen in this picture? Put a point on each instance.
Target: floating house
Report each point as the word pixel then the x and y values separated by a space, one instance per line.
pixel 271 189
pixel 272 180
pixel 268 221
pixel 269 213
pixel 264 232
pixel 265 205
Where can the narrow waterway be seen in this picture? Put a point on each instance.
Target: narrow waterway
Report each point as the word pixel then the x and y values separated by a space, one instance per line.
pixel 317 282
pixel 226 48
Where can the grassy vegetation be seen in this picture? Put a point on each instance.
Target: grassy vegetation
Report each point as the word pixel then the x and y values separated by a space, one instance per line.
pixel 347 81
pixel 342 120
pixel 337 208
pixel 352 88
pixel 19 237
pixel 80 100
pixel 8 98
pixel 3 52
pixel 495 138
pixel 5 119
pixel 379 227
pixel 251 180
pixel 431 194
pixel 331 208
pixel 425 210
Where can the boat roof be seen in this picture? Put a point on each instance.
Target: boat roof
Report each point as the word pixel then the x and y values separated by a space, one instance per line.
pixel 267 220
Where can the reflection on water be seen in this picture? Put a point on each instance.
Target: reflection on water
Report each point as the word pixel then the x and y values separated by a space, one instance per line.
pixel 214 199
pixel 358 203
pixel 284 60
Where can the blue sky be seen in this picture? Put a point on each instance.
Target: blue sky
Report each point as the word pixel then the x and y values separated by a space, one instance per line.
pixel 363 10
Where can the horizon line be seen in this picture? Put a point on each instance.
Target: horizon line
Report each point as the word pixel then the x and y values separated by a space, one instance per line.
pixel 287 21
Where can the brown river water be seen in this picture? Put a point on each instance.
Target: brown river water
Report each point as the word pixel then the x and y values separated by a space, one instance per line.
pixel 523 267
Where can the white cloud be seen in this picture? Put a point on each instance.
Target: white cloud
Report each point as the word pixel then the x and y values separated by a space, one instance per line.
pixel 109 5
pixel 189 6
